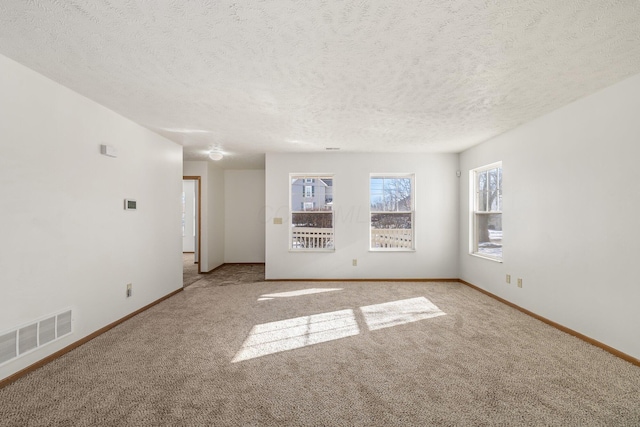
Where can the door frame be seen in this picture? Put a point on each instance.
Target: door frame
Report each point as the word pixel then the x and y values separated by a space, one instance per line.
pixel 198 216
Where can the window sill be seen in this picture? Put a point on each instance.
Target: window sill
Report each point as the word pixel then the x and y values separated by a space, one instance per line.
pixel 303 251
pixel 391 250
pixel 498 260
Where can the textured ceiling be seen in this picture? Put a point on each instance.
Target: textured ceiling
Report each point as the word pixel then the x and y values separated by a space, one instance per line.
pixel 251 77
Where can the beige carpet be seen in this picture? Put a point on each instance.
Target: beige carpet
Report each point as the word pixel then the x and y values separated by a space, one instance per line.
pixel 189 269
pixel 385 354
pixel 231 274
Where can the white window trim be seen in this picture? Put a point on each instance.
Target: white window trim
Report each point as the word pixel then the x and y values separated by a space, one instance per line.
pixel 411 176
pixel 473 232
pixel 304 177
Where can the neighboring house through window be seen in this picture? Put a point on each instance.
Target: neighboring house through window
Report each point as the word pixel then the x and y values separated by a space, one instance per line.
pixel 486 216
pixel 311 212
pixel 392 216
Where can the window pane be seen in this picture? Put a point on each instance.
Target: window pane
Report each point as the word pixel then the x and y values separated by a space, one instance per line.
pixel 376 194
pixel 499 196
pixel 486 233
pixel 390 194
pixel 489 190
pixel 391 230
pixel 481 183
pixel 493 189
pixel 312 230
pixel 313 219
pixel 391 220
pixel 311 194
pixel 489 234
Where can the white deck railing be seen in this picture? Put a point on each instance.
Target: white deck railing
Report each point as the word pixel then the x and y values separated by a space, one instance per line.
pixel 311 238
pixel 495 235
pixel 322 238
pixel 391 238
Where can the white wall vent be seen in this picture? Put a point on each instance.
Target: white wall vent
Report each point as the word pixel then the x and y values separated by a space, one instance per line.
pixel 63 324
pixel 23 339
pixel 8 346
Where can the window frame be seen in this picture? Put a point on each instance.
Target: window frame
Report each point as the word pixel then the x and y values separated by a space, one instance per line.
pixel 310 179
pixel 474 211
pixel 412 211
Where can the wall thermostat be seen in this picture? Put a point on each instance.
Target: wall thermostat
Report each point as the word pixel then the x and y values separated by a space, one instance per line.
pixel 130 205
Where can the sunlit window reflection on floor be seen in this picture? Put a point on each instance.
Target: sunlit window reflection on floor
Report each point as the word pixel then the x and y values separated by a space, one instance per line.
pixel 274 337
pixel 396 313
pixel 283 335
pixel 300 292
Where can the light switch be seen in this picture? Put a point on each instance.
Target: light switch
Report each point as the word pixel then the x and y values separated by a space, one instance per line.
pixel 108 150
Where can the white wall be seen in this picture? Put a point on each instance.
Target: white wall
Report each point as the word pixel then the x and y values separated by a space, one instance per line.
pixel 190 232
pixel 436 221
pixel 66 240
pixel 244 215
pixel 216 218
pixel 570 218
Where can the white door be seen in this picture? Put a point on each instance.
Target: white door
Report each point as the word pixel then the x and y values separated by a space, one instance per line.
pixel 188 216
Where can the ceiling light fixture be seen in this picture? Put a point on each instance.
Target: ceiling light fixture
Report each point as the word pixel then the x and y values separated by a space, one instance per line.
pixel 215 155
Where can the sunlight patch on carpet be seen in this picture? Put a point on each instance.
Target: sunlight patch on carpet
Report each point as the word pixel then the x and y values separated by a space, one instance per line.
pixel 283 335
pixel 297 293
pixel 290 334
pixel 396 313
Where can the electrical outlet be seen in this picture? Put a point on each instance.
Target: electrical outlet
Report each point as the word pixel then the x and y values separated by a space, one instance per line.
pixel 519 283
pixel 354 262
pixel 508 278
pixel 129 290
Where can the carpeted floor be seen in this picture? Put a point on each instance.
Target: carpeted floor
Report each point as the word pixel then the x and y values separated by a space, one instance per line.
pixel 230 352
pixel 227 274
pixel 189 269
pixel 231 274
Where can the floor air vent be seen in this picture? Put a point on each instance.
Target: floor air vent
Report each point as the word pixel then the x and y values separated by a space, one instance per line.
pixel 29 337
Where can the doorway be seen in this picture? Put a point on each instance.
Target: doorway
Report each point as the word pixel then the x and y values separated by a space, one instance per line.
pixel 191 195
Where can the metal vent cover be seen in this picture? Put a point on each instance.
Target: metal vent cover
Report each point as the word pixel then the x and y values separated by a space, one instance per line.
pixel 8 346
pixel 26 338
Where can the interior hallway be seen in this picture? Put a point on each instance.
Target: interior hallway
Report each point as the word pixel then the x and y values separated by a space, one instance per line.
pixel 189 269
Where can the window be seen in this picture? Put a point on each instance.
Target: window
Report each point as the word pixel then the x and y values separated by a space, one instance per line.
pixel 308 191
pixel 311 200
pixel 486 215
pixel 392 212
